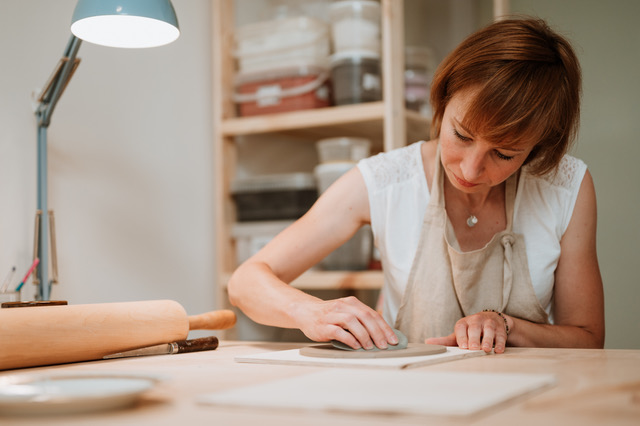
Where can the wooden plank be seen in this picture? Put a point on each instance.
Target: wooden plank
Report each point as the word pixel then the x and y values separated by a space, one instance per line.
pixel 224 150
pixel 395 135
pixel 360 114
pixel 335 280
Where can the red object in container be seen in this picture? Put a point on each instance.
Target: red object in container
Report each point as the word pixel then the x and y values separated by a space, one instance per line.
pixel 291 89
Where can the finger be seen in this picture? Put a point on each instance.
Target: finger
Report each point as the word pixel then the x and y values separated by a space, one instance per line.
pixel 488 336
pixel 449 340
pixel 353 325
pixel 460 331
pixel 345 337
pixel 500 342
pixel 474 332
pixel 379 332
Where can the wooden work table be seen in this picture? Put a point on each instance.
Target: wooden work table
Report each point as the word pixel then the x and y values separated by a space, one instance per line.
pixel 594 387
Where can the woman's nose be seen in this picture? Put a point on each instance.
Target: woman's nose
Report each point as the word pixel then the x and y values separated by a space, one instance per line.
pixel 472 165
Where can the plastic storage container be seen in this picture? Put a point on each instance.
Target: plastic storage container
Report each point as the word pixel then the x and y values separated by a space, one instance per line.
pixel 274 197
pixel 327 173
pixel 252 236
pixel 355 24
pixel 282 90
pixel 417 78
pixel 343 149
pixel 356 77
pixel 282 43
pixel 354 254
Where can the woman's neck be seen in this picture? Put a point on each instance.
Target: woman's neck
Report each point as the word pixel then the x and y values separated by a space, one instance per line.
pixel 473 202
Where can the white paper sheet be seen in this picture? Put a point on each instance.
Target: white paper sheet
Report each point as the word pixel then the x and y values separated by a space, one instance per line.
pixel 384 391
pixel 293 357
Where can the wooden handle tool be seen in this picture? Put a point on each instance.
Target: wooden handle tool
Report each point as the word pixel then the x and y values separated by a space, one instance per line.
pixel 59 334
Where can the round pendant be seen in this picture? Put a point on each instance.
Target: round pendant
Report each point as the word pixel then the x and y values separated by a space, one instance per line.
pixel 472 221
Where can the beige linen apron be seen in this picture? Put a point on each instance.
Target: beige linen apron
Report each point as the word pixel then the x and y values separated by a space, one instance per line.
pixel 446 284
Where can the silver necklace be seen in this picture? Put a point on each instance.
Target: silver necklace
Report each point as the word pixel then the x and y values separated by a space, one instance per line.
pixel 472 221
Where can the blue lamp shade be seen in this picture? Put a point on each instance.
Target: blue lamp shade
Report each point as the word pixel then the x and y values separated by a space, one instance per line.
pixel 122 23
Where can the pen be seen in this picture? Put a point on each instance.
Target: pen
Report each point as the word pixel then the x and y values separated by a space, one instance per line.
pixel 7 280
pixel 35 263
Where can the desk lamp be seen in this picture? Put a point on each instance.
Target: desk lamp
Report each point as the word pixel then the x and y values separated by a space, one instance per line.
pixel 115 23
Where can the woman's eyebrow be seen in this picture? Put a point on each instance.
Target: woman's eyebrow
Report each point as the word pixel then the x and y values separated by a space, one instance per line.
pixel 465 128
pixel 470 133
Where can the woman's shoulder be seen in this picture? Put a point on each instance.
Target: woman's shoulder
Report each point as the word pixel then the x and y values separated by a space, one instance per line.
pixel 393 167
pixel 568 175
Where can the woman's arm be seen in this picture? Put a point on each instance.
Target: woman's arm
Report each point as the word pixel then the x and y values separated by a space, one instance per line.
pixel 578 296
pixel 260 285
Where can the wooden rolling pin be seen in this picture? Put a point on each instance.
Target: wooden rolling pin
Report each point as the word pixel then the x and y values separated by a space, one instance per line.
pixel 47 335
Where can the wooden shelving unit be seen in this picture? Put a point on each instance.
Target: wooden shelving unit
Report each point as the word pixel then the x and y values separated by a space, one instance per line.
pixel 387 123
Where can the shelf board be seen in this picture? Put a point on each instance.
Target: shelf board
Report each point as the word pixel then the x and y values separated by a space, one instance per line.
pixel 362 120
pixel 336 280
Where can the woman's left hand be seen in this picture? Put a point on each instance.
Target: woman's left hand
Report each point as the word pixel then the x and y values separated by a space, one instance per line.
pixel 484 330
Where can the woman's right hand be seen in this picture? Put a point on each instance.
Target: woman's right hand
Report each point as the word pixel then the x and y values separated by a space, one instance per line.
pixel 347 320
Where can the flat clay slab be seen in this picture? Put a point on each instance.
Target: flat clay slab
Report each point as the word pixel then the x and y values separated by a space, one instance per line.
pixel 412 349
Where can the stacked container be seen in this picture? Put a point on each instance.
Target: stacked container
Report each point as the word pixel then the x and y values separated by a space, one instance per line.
pixel 266 205
pixel 419 66
pixel 338 156
pixel 282 66
pixel 355 63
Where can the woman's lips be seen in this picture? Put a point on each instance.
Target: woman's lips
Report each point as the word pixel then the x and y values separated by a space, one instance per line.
pixel 465 183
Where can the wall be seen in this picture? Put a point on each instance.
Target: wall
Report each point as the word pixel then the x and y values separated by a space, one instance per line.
pixel 130 159
pixel 131 163
pixel 607 41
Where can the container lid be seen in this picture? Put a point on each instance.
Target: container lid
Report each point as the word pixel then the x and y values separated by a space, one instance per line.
pixel 334 167
pixel 339 8
pixel 419 57
pixel 259 227
pixel 343 141
pixel 279 34
pixel 274 182
pixel 303 69
pixel 355 54
pixel 264 28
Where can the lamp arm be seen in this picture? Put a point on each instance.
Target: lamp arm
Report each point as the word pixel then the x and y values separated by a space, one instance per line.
pixel 57 82
pixel 46 104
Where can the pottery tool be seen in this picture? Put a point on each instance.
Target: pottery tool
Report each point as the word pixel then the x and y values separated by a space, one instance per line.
pixel 46 335
pixel 179 347
pixel 33 266
pixel 7 280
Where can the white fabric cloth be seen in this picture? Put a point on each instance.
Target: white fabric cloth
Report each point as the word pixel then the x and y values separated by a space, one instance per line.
pixel 398 197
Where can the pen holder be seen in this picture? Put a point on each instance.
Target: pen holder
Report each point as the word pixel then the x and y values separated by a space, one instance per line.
pixel 10 296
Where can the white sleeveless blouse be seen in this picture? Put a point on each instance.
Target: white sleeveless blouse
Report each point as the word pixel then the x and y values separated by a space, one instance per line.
pixel 398 197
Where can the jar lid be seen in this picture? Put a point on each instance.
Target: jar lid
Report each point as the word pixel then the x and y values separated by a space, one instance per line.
pixel 354 54
pixel 337 8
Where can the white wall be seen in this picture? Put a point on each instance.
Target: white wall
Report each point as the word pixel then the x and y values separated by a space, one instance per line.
pixel 130 159
pixel 607 40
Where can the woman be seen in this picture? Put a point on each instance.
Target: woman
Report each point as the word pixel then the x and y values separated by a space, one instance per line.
pixel 487 232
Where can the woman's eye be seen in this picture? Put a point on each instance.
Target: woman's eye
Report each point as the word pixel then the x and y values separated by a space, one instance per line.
pixel 461 137
pixel 503 157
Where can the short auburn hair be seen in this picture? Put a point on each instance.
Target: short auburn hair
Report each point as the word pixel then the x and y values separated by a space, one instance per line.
pixel 526 82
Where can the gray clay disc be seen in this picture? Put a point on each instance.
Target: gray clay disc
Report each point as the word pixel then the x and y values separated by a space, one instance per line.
pixel 412 349
pixel 402 344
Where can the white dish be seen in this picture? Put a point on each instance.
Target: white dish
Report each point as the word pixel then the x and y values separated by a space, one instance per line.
pixel 70 393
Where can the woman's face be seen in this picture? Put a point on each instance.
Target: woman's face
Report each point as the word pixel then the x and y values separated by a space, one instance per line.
pixel 472 164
